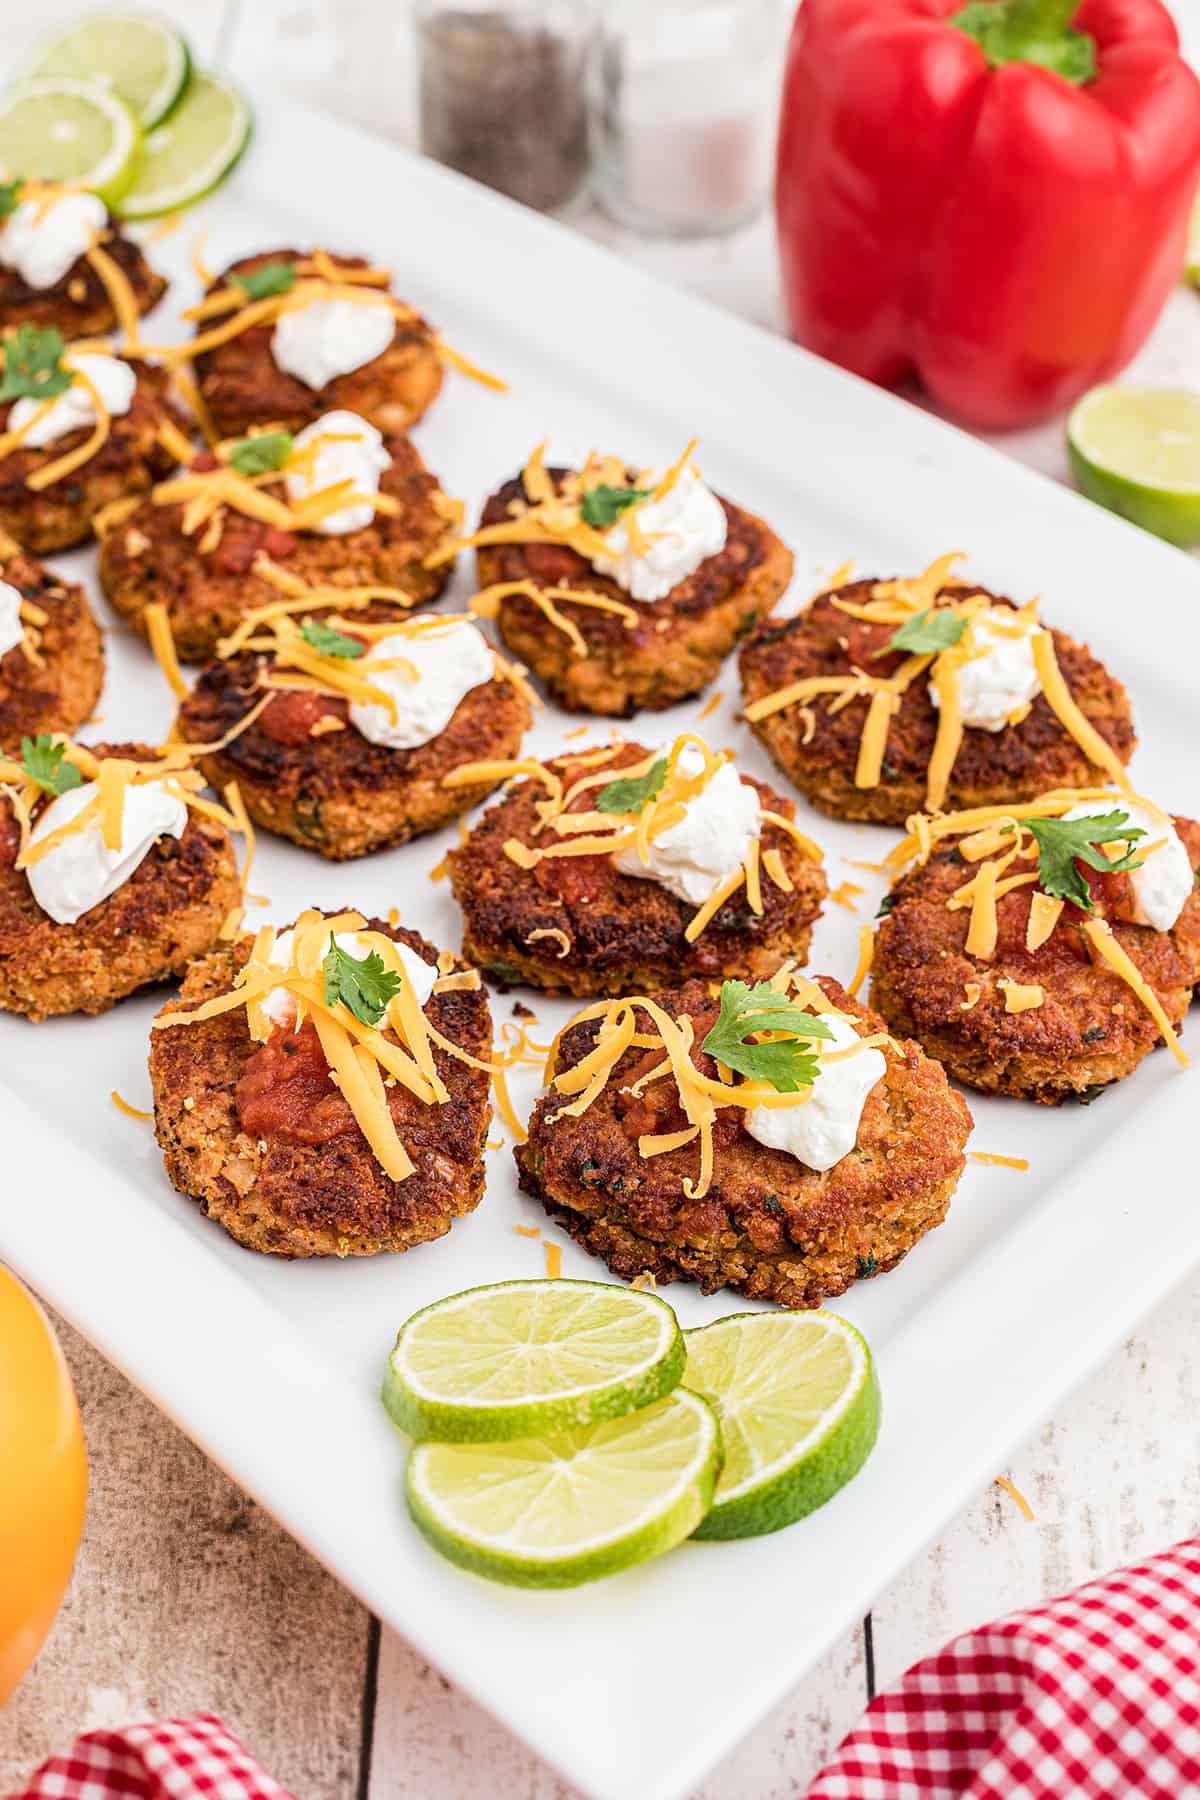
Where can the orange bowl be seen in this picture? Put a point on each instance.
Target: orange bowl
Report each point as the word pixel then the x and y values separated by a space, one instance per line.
pixel 43 1479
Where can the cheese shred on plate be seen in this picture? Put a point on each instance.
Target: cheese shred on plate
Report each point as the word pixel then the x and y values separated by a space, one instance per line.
pixel 898 603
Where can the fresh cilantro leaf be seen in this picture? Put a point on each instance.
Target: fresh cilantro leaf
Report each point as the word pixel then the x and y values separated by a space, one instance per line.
pixel 260 454
pixel 271 278
pixel 328 642
pixel 364 986
pixel 32 366
pixel 10 195
pixel 788 1064
pixel 603 505
pixel 885 906
pixel 1065 843
pixel 630 793
pixel 937 628
pixel 43 761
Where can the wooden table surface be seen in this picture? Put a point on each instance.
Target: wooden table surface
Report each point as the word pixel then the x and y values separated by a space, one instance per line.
pixel 186 1596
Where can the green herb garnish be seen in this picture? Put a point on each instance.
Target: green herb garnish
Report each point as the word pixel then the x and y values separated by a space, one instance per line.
pixel 259 455
pixel 271 278
pixel 937 628
pixel 788 1063
pixel 630 793
pixel 10 195
pixel 603 505
pixel 1065 843
pixel 44 762
pixel 328 642
pixel 365 986
pixel 32 365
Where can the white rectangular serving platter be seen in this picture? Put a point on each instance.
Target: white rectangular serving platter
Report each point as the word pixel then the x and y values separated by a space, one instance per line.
pixel 635 1686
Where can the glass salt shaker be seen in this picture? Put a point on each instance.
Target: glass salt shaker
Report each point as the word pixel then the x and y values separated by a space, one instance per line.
pixel 503 94
pixel 685 101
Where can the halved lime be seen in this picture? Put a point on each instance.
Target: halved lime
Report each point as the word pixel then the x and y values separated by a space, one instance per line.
pixel 798 1401
pixel 60 129
pixel 552 1512
pixel 526 1357
pixel 138 55
pixel 191 152
pixel 1136 450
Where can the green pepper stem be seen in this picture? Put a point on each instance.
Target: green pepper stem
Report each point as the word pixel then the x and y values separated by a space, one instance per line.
pixel 1030 31
pixel 1040 18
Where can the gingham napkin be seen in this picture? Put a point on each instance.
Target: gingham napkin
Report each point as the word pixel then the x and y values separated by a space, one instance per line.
pixel 1093 1697
pixel 178 1759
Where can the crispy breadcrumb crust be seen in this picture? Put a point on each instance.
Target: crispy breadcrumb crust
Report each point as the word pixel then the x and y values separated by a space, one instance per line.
pixel 79 304
pixel 992 767
pixel 60 691
pixel 293 1199
pixel 170 910
pixel 1091 1030
pixel 768 1227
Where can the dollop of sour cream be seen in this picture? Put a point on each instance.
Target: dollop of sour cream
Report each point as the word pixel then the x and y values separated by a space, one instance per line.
pixel 280 1006
pixel 82 871
pixel 1000 676
pixel 685 527
pixel 11 628
pixel 349 448
pixel 327 338
pixel 821 1130
pixel 72 410
pixel 713 838
pixel 449 663
pixel 43 238
pixel 1161 886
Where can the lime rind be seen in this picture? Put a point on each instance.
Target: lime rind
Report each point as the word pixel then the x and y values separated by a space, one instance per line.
pixel 111 174
pixel 819 1460
pixel 1136 451
pixel 138 55
pixel 556 1356
pixel 533 1477
pixel 169 178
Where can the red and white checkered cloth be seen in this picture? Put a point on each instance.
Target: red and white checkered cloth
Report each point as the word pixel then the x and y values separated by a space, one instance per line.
pixel 1092 1697
pixel 177 1759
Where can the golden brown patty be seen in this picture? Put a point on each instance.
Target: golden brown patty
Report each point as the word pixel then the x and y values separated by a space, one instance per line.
pixel 602 932
pixel 56 686
pixel 170 910
pixel 79 305
pixel 768 1226
pixel 148 558
pixel 330 1197
pixel 243 386
pixel 130 461
pixel 336 792
pixel 992 767
pixel 678 643
pixel 1090 1030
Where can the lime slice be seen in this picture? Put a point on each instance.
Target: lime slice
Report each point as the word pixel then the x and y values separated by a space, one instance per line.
pixel 799 1407
pixel 552 1512
pixel 138 56
pixel 527 1357
pixel 1191 266
pixel 1136 450
pixel 193 151
pixel 64 130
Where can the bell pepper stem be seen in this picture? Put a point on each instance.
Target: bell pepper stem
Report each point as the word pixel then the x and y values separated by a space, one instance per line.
pixel 1031 31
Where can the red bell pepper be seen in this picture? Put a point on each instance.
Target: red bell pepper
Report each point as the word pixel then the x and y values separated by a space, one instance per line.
pixel 993 197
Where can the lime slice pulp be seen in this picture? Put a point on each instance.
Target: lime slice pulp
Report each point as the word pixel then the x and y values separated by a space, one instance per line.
pixel 1192 262
pixel 522 1358
pixel 139 57
pixel 59 129
pixel 798 1401
pixel 192 151
pixel 1136 450
pixel 553 1512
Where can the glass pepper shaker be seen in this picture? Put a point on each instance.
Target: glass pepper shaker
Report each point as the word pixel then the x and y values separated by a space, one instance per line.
pixel 685 101
pixel 503 94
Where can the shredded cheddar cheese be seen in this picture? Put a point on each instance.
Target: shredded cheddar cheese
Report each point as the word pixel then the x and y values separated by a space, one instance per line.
pixel 1045 910
pixel 131 1112
pixel 1020 996
pixel 1000 1162
pixel 553 1261
pixel 1099 935
pixel 866 956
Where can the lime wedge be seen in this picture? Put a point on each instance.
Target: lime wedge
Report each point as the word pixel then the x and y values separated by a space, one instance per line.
pixel 552 1512
pixel 65 130
pixel 139 57
pixel 526 1357
pixel 193 151
pixel 1136 450
pixel 798 1401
